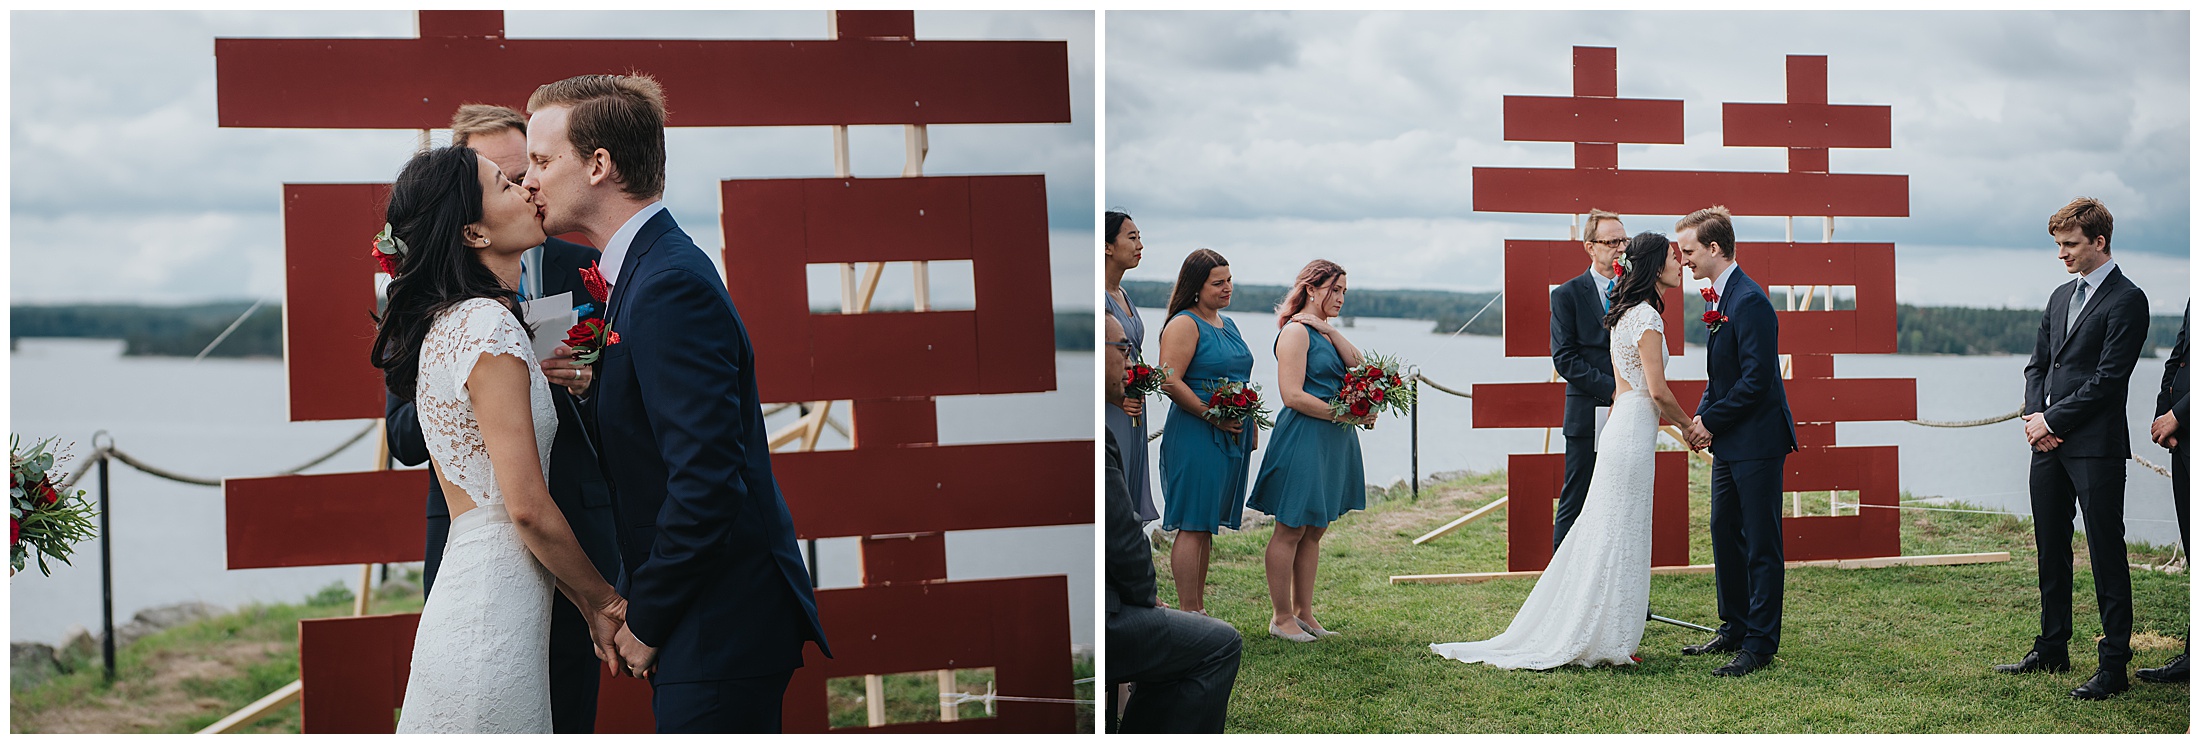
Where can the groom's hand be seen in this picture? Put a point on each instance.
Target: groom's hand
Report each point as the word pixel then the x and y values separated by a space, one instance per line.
pixel 563 371
pixel 637 659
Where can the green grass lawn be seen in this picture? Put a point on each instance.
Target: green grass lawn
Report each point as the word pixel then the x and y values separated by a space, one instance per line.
pixel 1904 649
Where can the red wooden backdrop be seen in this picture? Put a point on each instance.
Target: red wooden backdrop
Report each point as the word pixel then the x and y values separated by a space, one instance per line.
pixel 1597 120
pixel 898 489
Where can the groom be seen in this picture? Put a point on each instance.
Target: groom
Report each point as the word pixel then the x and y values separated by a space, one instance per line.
pixel 718 599
pixel 1744 420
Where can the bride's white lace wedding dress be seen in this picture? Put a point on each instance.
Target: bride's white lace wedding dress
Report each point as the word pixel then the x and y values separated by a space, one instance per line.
pixel 1589 606
pixel 481 662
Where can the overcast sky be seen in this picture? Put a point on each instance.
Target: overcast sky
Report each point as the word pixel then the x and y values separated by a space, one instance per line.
pixel 124 190
pixel 1280 137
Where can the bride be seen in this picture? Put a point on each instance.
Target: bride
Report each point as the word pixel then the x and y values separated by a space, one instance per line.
pixel 1589 606
pixel 453 342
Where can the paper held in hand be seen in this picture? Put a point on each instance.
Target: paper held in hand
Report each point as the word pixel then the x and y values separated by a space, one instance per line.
pixel 548 318
pixel 1604 413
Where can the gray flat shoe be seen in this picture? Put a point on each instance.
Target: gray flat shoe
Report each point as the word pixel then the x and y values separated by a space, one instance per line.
pixel 1318 632
pixel 1293 637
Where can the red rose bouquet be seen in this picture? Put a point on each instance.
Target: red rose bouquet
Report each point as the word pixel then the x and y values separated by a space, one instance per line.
pixel 1379 382
pixel 43 521
pixel 1144 380
pixel 1228 399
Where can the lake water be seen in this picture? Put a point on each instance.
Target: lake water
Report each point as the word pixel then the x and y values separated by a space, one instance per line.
pixel 1985 465
pixel 227 417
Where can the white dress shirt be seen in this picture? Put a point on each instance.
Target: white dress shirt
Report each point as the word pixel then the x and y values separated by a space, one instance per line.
pixel 1718 286
pixel 614 252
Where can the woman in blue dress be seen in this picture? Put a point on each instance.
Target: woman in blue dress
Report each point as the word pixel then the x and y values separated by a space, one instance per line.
pixel 1203 462
pixel 1126 419
pixel 1312 473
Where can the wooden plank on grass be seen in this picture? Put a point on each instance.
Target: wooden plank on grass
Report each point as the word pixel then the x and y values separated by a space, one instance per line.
pixel 1953 559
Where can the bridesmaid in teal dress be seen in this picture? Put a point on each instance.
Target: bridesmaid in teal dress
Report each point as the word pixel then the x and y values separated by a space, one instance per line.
pixel 1127 421
pixel 1203 463
pixel 1312 473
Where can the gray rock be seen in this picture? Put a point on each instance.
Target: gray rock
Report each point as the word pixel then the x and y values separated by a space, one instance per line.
pixel 30 664
pixel 79 643
pixel 156 619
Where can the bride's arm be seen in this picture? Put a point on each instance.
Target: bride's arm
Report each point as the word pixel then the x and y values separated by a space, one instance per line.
pixel 498 387
pixel 1653 377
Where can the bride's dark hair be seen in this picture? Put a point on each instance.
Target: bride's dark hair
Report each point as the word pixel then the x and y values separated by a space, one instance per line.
pixel 1647 252
pixel 435 197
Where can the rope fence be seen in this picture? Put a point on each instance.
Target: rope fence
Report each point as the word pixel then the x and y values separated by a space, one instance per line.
pixel 109 451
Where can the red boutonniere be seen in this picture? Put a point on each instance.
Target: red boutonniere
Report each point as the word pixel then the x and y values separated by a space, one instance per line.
pixel 1713 319
pixel 1708 294
pixel 592 278
pixel 589 338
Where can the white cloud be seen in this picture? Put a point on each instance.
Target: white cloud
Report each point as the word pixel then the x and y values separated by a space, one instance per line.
pixel 125 190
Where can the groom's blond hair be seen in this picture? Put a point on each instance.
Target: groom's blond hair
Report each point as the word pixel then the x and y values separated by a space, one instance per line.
pixel 1713 225
pixel 621 114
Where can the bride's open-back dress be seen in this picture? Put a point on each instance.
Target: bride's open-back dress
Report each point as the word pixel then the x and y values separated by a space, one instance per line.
pixel 1589 606
pixel 481 663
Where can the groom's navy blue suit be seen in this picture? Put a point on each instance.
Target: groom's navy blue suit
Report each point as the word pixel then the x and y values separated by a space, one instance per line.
pixel 1745 409
pixel 712 576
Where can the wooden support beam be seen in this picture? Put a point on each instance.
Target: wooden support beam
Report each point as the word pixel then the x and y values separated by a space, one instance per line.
pixel 1461 522
pixel 1953 559
pixel 258 709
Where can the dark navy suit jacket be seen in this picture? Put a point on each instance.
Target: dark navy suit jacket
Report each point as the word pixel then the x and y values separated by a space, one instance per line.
pixel 712 578
pixel 576 484
pixel 1581 350
pixel 2086 371
pixel 1745 405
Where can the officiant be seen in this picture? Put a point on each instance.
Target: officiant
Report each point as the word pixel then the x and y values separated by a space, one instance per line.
pixel 550 284
pixel 1581 350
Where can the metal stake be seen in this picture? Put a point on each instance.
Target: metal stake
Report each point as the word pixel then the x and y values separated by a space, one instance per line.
pixel 106 568
pixel 1413 416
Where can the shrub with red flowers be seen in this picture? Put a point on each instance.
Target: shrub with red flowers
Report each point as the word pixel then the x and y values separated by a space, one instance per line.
pixel 43 521
pixel 1378 383
pixel 1228 399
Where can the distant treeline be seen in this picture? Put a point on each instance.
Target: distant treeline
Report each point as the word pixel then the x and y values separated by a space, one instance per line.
pixel 184 330
pixel 1918 330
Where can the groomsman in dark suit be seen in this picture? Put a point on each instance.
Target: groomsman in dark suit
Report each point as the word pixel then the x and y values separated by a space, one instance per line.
pixel 1744 419
pixel 2170 412
pixel 1581 350
pixel 2075 388
pixel 1182 665
pixel 576 484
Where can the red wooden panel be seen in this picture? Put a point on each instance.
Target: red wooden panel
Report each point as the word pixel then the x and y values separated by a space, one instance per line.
pixel 353 671
pixel 623 704
pixel 328 284
pixel 1536 405
pixel 316 83
pixel 1806 78
pixel 1872 471
pixel 1532 267
pixel 1017 626
pixel 848 493
pixel 1807 160
pixel 904 559
pixel 1566 190
pixel 326 520
pixel 850 220
pixel 765 259
pixel 1532 485
pixel 482 24
pixel 1009 271
pixel 1596 71
pixel 895 422
pixel 1595 155
pixel 1611 120
pixel 775 227
pixel 874 24
pixel 1807 125
pixel 897 354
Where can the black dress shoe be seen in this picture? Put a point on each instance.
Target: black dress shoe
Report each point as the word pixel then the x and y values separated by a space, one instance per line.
pixel 2106 683
pixel 1719 644
pixel 1743 663
pixel 2172 673
pixel 2033 663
